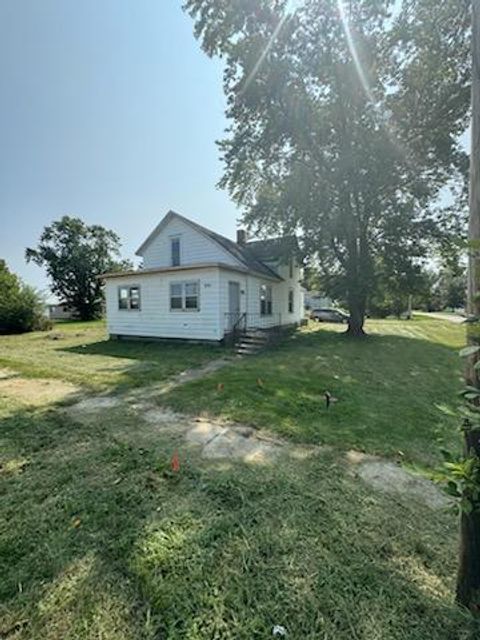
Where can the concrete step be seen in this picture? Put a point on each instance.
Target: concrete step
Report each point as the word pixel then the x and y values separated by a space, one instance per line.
pixel 251 347
pixel 258 335
pixel 246 352
pixel 252 343
pixel 253 340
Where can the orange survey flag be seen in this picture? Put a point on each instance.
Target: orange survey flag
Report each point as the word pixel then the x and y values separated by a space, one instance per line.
pixel 175 462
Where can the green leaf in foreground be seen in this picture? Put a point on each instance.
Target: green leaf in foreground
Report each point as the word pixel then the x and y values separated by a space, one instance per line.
pixel 468 351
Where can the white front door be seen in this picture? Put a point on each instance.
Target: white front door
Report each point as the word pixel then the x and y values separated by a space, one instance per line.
pixel 233 303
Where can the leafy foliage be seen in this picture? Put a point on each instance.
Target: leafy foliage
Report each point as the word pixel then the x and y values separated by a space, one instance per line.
pixel 344 126
pixel 463 474
pixel 21 307
pixel 450 287
pixel 75 255
pixel 396 279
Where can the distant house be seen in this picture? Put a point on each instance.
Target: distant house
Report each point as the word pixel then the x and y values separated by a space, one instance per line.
pixel 60 311
pixel 317 300
pixel 198 285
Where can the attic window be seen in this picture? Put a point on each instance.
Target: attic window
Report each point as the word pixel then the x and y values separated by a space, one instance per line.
pixel 175 252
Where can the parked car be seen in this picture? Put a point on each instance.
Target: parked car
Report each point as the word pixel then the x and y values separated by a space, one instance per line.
pixel 329 315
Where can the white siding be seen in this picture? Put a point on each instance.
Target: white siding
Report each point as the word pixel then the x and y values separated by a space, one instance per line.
pixel 250 296
pixel 195 248
pixel 226 277
pixel 280 295
pixel 155 319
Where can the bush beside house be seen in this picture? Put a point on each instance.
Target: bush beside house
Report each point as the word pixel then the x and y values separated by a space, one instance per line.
pixel 21 306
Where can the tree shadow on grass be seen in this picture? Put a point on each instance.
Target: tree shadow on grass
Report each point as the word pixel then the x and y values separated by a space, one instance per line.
pixel 144 349
pixel 258 547
pixel 325 334
pixel 73 494
pixel 394 394
pixel 101 542
pixel 144 362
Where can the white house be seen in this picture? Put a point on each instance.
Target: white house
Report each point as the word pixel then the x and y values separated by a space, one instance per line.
pixel 317 300
pixel 60 311
pixel 198 285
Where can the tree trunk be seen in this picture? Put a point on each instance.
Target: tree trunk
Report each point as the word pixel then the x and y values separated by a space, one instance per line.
pixel 357 276
pixel 356 308
pixel 356 272
pixel 409 307
pixel 468 579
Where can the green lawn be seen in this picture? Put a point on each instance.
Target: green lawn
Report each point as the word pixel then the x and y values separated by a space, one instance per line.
pixel 397 390
pixel 99 542
pixel 79 352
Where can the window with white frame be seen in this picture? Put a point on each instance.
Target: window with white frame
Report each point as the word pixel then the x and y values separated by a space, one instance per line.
pixel 185 296
pixel 176 296
pixel 290 301
pixel 129 298
pixel 266 299
pixel 175 251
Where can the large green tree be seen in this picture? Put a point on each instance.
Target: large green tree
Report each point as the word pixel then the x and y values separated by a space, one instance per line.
pixel 75 255
pixel 344 124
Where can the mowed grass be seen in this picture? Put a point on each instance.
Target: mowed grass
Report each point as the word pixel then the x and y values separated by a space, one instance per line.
pixel 99 540
pixel 396 390
pixel 80 353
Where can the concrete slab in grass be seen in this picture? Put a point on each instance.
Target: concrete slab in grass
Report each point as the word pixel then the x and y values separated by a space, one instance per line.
pixel 391 478
pixel 204 432
pixel 235 444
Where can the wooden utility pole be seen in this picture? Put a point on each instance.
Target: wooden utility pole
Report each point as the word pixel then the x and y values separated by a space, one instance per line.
pixel 468 580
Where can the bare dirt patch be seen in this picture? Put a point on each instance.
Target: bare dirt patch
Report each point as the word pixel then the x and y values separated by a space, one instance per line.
pixel 13 466
pixel 37 392
pixel 164 417
pixel 193 374
pixel 6 373
pixel 88 408
pixel 189 375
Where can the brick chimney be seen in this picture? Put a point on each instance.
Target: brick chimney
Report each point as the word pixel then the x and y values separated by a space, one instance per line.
pixel 241 236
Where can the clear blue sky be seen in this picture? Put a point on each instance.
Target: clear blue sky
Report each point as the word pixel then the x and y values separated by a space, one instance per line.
pixel 109 111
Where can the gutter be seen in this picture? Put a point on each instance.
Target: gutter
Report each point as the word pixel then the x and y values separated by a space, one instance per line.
pixel 190 267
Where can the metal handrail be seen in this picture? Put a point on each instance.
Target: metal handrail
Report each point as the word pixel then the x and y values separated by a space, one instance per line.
pixel 240 322
pixel 270 321
pixel 234 320
pixel 242 318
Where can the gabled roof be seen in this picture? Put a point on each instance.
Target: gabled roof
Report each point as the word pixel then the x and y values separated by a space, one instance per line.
pixel 274 249
pixel 249 254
